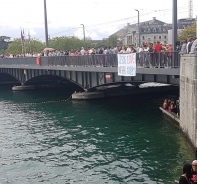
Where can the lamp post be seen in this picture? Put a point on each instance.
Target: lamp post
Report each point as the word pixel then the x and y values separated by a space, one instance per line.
pixel 196 26
pixel 83 32
pixel 29 42
pixel 174 24
pixel 46 26
pixel 138 16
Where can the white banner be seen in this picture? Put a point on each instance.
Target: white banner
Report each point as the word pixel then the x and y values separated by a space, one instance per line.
pixel 127 64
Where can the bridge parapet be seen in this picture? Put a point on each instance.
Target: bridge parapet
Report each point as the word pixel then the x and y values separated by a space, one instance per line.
pixel 143 59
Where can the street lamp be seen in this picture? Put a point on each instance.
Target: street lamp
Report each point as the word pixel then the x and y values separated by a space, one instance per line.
pixel 138 14
pixel 83 32
pixel 46 26
pixel 174 24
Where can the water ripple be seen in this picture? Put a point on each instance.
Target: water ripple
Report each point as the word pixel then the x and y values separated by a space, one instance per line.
pixel 87 142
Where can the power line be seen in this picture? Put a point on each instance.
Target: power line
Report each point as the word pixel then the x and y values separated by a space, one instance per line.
pixel 96 26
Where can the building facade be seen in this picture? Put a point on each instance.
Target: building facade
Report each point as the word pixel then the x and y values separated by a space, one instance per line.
pixel 150 31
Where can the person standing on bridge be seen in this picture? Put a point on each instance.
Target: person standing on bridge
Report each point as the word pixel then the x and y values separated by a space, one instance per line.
pixel 82 51
pixel 194 47
pixel 151 55
pixel 189 44
pixel 157 50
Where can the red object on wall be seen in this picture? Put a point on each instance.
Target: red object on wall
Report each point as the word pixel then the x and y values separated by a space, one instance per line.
pixel 107 76
pixel 38 60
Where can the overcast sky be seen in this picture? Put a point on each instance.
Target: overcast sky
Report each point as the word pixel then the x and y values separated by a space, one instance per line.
pixel 101 18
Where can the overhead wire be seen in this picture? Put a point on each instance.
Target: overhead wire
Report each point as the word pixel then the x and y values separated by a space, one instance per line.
pixel 113 23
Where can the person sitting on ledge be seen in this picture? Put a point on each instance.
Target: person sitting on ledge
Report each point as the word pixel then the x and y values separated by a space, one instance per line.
pixel 177 107
pixel 165 104
pixel 168 104
pixel 173 106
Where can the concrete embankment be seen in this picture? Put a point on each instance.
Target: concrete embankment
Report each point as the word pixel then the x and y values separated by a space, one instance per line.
pixel 113 92
pixel 171 115
pixel 176 119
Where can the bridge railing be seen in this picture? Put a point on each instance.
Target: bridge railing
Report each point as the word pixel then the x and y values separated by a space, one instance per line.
pixel 143 59
pixel 158 59
pixel 85 60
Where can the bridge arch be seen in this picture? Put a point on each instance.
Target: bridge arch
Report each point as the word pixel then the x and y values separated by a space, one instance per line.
pixel 56 80
pixel 8 78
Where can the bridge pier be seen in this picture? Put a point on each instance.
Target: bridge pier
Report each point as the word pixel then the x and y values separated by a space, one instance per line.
pixel 188 98
pixel 23 88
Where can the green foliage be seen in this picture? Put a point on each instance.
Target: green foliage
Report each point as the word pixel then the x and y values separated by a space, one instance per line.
pixel 36 46
pixel 68 43
pixel 58 43
pixel 112 41
pixel 102 44
pixel 16 46
pixel 189 31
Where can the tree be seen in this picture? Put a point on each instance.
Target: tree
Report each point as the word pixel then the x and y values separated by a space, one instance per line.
pixel 4 42
pixel 68 43
pixel 189 31
pixel 16 46
pixel 58 43
pixel 112 41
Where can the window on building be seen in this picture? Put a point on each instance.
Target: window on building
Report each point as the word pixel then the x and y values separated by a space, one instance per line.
pixel 129 39
pixel 159 37
pixel 154 37
pixel 164 37
pixel 143 38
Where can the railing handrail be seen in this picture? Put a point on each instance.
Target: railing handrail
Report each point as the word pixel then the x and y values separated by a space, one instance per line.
pixel 143 59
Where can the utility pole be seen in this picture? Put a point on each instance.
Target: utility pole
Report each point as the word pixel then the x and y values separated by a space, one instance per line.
pixel 84 38
pixel 174 24
pixel 190 9
pixel 196 26
pixel 138 15
pixel 46 24
pixel 174 32
pixel 29 41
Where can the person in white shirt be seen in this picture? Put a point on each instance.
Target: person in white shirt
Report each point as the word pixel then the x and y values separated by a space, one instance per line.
pixel 82 51
pixel 141 50
pixel 128 49
pixel 194 47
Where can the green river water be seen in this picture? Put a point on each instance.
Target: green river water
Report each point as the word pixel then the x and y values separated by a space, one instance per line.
pixel 105 141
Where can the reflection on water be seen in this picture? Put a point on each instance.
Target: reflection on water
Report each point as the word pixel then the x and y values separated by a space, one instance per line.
pixel 117 140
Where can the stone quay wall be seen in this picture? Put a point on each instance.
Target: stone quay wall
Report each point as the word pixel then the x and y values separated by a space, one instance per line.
pixel 188 98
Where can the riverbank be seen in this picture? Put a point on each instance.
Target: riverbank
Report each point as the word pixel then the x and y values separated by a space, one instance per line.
pixel 172 117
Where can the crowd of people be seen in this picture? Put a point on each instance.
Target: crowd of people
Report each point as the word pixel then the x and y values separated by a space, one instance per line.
pixel 149 55
pixel 189 46
pixel 189 175
pixel 171 105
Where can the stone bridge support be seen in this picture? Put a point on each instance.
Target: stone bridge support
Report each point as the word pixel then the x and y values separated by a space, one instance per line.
pixel 188 98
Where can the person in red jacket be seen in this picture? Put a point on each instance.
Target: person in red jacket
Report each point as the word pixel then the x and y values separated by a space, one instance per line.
pixel 157 50
pixel 194 172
